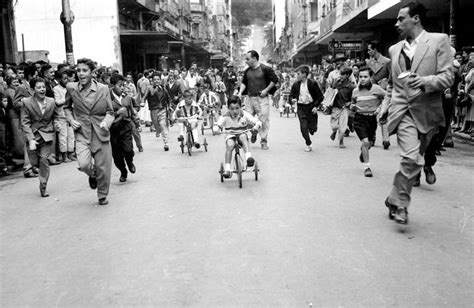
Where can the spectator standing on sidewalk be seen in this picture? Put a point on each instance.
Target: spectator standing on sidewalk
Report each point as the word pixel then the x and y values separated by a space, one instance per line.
pixel 64 129
pixel 258 83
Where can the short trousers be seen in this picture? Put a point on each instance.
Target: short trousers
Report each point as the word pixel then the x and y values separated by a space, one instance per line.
pixel 365 125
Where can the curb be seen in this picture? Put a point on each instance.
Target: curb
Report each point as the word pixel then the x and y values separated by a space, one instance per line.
pixel 464 137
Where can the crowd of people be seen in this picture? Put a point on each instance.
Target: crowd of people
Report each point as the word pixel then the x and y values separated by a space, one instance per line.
pixel 93 114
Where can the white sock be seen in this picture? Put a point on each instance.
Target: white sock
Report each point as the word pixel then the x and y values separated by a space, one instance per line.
pixel 227 167
pixel 367 165
pixel 247 155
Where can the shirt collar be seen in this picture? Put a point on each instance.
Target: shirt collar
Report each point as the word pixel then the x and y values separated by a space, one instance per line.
pixel 92 87
pixel 416 40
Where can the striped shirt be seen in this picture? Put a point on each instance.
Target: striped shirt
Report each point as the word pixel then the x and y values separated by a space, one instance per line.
pixel 367 101
pixel 237 124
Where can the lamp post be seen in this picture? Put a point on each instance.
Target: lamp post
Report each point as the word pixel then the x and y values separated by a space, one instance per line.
pixel 67 18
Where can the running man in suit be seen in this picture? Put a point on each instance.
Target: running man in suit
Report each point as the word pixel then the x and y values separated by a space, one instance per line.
pixel 413 103
pixel 90 112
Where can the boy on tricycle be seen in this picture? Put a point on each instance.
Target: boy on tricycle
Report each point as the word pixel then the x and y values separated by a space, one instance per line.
pixel 235 123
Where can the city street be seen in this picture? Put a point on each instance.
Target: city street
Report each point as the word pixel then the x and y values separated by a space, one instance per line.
pixel 311 231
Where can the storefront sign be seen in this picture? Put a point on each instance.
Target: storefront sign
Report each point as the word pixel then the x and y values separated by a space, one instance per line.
pixel 353 45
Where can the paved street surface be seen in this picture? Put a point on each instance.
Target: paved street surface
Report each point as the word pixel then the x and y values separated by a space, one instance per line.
pixel 311 230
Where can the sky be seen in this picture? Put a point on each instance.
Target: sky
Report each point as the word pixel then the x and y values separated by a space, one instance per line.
pixel 279 16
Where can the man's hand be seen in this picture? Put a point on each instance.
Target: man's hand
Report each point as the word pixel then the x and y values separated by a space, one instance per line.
pixel 415 81
pixel 264 93
pixel 75 125
pixel 216 129
pixel 353 107
pixel 103 125
pixel 255 127
pixel 122 111
pixel 32 145
pixel 314 110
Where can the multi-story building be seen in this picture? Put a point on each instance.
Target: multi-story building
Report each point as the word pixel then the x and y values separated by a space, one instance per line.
pixel 314 26
pixel 130 35
pixel 221 31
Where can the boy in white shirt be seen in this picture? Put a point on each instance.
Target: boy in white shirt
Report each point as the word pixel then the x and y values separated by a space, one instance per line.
pixel 235 122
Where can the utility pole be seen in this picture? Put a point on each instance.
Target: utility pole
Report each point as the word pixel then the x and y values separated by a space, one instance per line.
pixel 67 18
pixel 452 22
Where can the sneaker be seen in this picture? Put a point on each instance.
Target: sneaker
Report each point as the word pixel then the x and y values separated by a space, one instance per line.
pixel 368 173
pixel 264 146
pixel 167 148
pixel 180 138
pixel 253 139
pixel 250 162
pixel 341 145
pixel 333 135
pixel 308 149
pixel 197 145
pixel 227 174
pixel 123 179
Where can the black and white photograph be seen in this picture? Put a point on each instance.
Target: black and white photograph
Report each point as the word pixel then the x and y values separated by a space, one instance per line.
pixel 237 153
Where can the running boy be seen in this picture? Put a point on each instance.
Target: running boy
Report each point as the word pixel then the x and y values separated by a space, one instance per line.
pixel 366 101
pixel 235 121
pixel 190 110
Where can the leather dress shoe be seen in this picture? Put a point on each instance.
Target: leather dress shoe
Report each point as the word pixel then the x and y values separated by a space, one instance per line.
pixel 401 215
pixel 386 145
pixel 368 173
pixel 43 192
pixel 30 174
pixel 123 179
pixel 430 176
pixel 103 201
pixel 391 209
pixel 333 135
pixel 92 182
pixel 132 168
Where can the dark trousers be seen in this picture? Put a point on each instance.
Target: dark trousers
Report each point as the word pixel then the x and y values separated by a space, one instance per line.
pixel 136 136
pixel 308 121
pixel 438 139
pixel 122 146
pixel 39 159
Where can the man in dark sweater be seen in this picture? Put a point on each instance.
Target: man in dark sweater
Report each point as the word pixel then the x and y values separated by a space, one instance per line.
pixel 258 84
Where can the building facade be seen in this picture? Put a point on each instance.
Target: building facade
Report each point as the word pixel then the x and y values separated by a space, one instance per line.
pixel 129 35
pixel 314 26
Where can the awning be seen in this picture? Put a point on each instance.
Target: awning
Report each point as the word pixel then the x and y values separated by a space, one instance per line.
pixel 147 35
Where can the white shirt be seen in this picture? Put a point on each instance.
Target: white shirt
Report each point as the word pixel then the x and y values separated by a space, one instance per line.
pixel 410 48
pixel 119 98
pixel 305 97
pixel 42 106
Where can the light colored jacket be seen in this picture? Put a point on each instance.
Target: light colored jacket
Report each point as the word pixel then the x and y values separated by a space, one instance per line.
pixel 433 63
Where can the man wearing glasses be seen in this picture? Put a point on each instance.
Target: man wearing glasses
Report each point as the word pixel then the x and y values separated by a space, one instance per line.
pixel 258 83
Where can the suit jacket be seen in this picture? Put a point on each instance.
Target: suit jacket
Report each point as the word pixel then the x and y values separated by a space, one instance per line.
pixel 313 89
pixel 173 91
pixel 380 67
pixel 127 103
pixel 36 124
pixel 433 62
pixel 23 91
pixel 89 107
